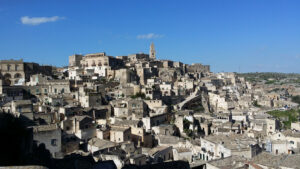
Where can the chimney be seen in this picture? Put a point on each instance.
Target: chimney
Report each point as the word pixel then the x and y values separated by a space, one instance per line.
pixel 139 143
pixel 94 116
pixel 128 154
pixel 76 125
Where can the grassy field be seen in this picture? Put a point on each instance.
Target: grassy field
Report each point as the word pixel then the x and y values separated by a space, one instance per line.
pixel 292 116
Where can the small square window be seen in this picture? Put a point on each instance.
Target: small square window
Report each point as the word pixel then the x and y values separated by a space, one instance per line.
pixel 54 142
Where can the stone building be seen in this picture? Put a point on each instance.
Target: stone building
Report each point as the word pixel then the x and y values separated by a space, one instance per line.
pixel 10 93
pixel 146 73
pixel 58 86
pixel 138 159
pixel 74 60
pixel 82 126
pixel 100 59
pixel 120 134
pixel 161 153
pixel 125 76
pixel 198 68
pixel 296 126
pixel 12 71
pixel 221 146
pixel 267 160
pixel 16 72
pixel 50 136
pixel 138 57
pixel 233 162
pixel 22 107
pixel 90 99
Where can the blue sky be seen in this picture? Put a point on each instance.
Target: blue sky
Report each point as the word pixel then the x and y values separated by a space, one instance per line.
pixel 240 35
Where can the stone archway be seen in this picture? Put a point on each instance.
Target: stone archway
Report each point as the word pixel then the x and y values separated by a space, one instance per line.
pixel 7 79
pixel 7 76
pixel 17 76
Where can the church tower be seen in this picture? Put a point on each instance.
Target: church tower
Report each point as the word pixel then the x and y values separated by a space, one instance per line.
pixel 152 53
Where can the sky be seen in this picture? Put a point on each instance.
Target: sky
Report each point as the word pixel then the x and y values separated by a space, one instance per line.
pixel 229 35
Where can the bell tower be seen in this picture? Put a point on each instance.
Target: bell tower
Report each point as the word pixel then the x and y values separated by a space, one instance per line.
pixel 152 52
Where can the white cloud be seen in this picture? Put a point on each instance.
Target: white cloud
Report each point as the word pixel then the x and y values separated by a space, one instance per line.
pixel 149 36
pixel 39 20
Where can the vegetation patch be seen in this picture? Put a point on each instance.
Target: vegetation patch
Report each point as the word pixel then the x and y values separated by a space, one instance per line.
pixel 141 95
pixel 291 116
pixel 270 81
pixel 267 76
pixel 186 125
pixel 296 99
pixel 255 104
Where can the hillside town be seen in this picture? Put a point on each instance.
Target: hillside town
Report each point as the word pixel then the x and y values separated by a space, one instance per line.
pixel 138 111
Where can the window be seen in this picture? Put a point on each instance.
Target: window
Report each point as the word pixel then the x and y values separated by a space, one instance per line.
pixel 16 68
pixel 62 90
pixel 8 67
pixel 54 142
pixel 55 90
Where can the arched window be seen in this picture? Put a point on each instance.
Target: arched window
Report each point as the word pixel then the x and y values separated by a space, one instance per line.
pixel 7 76
pixel 18 75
